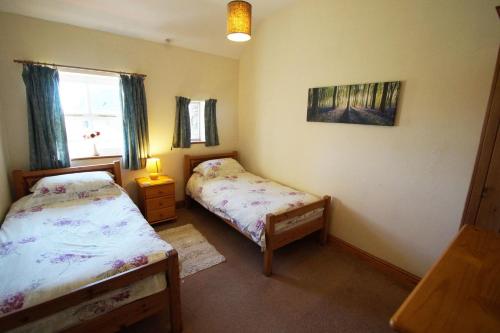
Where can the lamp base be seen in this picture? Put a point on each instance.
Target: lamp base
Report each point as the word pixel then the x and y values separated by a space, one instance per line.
pixel 154 176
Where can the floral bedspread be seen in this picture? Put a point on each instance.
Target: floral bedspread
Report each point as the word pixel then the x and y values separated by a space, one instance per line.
pixel 245 199
pixel 48 250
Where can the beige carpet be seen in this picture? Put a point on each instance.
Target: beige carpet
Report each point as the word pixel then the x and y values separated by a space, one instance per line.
pixel 314 288
pixel 195 252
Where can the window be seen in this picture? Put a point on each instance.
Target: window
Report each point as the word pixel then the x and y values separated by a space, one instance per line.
pixel 197 119
pixel 93 114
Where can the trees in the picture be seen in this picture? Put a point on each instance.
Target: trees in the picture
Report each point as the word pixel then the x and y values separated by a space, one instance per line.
pixel 369 103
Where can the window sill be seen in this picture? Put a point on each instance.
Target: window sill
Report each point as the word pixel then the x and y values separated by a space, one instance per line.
pixel 197 142
pixel 95 157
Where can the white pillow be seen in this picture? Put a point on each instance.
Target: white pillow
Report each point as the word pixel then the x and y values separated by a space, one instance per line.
pixel 219 167
pixel 48 199
pixel 72 183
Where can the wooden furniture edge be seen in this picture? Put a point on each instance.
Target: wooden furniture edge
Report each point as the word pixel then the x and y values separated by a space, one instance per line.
pixel 23 180
pixel 382 265
pixel 394 319
pixel 97 288
pixel 117 171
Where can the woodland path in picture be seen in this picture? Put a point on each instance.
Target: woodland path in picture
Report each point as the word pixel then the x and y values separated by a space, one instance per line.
pixel 354 115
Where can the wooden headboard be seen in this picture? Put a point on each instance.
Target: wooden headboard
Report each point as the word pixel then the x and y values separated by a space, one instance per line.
pixel 191 161
pixel 24 180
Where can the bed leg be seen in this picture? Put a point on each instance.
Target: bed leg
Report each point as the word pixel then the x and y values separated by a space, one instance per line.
pixel 174 292
pixel 326 220
pixel 323 236
pixel 268 253
pixel 188 201
pixel 268 262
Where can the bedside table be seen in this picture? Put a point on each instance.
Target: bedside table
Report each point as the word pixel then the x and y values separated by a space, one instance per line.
pixel 157 198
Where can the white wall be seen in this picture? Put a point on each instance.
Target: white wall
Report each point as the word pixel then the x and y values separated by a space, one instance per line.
pixel 4 182
pixel 399 190
pixel 170 71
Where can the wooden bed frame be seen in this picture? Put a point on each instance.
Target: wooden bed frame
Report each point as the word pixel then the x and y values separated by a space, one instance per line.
pixel 273 240
pixel 122 316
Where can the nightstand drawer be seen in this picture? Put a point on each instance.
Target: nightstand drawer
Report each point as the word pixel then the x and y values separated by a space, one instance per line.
pixel 160 202
pixel 160 214
pixel 159 191
pixel 157 198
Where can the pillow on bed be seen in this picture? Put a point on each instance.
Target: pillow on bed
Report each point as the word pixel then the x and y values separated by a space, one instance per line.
pixel 72 183
pixel 219 167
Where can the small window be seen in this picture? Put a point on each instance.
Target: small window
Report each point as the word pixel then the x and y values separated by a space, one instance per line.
pixel 93 114
pixel 197 119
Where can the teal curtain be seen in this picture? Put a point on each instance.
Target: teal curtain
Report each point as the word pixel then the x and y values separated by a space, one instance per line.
pixel 48 143
pixel 135 122
pixel 211 135
pixel 182 129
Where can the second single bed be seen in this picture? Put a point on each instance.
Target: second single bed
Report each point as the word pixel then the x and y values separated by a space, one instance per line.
pixel 270 214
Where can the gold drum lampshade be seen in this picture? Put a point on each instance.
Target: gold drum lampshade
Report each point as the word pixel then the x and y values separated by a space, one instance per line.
pixel 239 21
pixel 153 166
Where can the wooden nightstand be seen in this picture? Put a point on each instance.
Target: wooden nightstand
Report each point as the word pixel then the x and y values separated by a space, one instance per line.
pixel 157 198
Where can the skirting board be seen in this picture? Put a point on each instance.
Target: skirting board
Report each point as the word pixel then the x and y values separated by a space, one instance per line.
pixel 384 266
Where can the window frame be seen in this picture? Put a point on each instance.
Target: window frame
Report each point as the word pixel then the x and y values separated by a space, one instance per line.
pixel 201 121
pixel 93 78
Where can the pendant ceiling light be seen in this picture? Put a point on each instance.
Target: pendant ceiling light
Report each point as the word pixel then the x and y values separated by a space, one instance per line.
pixel 239 21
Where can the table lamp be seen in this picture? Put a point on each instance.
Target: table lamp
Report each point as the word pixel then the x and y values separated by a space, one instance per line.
pixel 153 166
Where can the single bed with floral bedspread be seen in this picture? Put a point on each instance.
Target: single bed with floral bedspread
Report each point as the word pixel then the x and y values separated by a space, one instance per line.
pixel 59 241
pixel 270 214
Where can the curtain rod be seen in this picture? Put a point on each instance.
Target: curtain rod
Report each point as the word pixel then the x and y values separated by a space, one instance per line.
pixel 77 67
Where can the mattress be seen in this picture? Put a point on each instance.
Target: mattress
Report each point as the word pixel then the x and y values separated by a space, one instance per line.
pixel 245 199
pixel 50 249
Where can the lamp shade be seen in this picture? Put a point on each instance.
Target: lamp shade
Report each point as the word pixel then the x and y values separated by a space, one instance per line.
pixel 239 21
pixel 153 166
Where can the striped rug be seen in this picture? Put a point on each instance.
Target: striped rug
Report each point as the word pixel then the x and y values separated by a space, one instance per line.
pixel 195 252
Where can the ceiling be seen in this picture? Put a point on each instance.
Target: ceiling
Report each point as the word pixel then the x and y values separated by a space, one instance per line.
pixel 193 24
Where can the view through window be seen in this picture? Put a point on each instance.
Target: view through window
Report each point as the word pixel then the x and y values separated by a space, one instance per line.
pixel 197 119
pixel 93 113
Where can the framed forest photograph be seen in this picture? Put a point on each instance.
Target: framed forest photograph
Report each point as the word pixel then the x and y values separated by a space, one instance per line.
pixel 368 103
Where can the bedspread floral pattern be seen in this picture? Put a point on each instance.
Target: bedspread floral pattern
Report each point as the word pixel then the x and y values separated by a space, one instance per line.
pixel 69 244
pixel 245 199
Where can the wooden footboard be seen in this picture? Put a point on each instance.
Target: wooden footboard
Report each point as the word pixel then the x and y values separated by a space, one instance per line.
pixel 276 240
pixel 119 317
